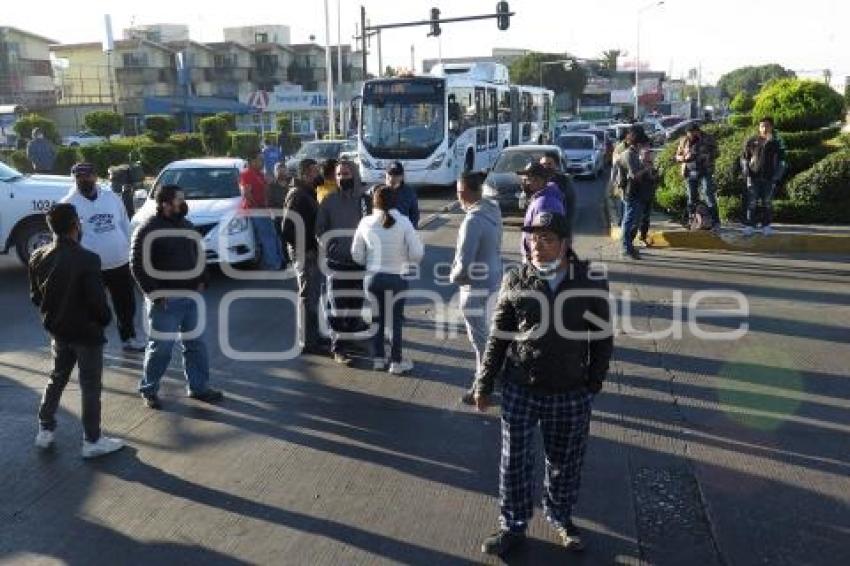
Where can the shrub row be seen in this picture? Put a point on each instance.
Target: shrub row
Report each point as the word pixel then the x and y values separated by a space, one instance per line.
pixel 806 139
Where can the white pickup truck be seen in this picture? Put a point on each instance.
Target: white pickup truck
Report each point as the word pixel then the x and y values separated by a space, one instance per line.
pixel 24 200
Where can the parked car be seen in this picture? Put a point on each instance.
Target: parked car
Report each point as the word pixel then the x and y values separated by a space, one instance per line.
pixel 24 200
pixel 211 186
pixel 349 151
pixel 318 150
pixel 503 184
pixel 677 131
pixel 84 138
pixel 583 154
pixel 607 141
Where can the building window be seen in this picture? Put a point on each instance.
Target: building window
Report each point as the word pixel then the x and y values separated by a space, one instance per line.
pixel 225 61
pixel 136 59
pixel 261 38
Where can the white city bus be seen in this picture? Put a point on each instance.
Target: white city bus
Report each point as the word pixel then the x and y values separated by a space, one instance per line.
pixel 457 118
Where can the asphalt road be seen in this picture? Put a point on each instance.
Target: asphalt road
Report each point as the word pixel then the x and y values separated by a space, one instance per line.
pixel 702 451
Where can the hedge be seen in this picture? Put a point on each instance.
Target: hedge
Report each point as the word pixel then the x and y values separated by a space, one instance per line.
pixel 23 127
pixel 188 145
pixel 19 160
pixel 806 139
pixel 159 126
pixel 799 160
pixel 214 135
pixel 742 103
pixel 741 120
pixel 155 156
pixel 104 155
pixel 826 184
pixel 66 157
pixel 244 144
pixel 797 105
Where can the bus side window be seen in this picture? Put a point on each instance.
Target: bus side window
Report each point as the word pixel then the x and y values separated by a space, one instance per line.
pixel 454 115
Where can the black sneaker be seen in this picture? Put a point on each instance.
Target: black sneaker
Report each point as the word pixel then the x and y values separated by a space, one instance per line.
pixel 151 402
pixel 502 542
pixel 468 398
pixel 207 395
pixel 571 537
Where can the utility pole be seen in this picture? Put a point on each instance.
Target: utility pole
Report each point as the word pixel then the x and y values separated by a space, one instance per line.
pixel 329 77
pixel 363 37
pixel 699 89
pixel 380 57
pixel 412 59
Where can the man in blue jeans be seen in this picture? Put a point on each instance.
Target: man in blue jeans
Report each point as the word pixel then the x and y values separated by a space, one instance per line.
pixel 172 311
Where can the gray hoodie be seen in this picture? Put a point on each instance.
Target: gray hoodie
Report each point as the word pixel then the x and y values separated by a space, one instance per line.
pixel 342 210
pixel 478 259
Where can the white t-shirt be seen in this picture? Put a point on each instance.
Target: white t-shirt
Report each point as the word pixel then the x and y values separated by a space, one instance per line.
pixel 106 228
pixel 386 250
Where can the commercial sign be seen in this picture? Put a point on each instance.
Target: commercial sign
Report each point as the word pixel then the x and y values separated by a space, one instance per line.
pixel 292 99
pixel 624 96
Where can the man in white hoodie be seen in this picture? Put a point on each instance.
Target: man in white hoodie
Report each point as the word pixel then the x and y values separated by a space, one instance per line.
pixel 106 232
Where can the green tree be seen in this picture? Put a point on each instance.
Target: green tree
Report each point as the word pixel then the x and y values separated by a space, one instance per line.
pixel 23 127
pixel 742 103
pixel 104 123
pixel 609 59
pixel 159 126
pixel 557 77
pixel 390 71
pixel 214 136
pixel 751 79
pixel 847 95
pixel 230 118
pixel 796 105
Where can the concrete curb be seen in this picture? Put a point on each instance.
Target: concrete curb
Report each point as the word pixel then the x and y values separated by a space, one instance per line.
pixel 434 216
pixel 733 240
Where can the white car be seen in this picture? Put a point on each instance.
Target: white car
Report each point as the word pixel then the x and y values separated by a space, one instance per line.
pixel 212 193
pixel 24 200
pixel 85 138
pixel 583 154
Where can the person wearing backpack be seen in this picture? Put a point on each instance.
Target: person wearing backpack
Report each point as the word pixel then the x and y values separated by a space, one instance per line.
pixel 763 165
pixel 697 152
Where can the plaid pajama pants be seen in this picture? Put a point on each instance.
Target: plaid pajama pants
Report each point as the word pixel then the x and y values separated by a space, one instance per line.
pixel 564 420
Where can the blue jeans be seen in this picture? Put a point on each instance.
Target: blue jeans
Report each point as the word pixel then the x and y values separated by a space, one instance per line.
pixel 694 184
pixel 632 216
pixel 760 191
pixel 270 253
pixel 386 287
pixel 177 315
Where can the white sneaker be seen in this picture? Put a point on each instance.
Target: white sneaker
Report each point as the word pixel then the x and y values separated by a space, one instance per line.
pixel 44 439
pixel 104 445
pixel 401 367
pixel 133 345
pixel 379 364
pixel 748 231
pixel 767 230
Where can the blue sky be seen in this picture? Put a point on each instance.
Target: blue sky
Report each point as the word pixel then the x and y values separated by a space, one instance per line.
pixel 675 37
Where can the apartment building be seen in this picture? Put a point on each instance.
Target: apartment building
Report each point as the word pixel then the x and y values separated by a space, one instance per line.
pixel 158 33
pixel 26 75
pixel 233 70
pixel 257 35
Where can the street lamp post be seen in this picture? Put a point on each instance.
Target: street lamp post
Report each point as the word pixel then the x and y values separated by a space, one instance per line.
pixel 637 55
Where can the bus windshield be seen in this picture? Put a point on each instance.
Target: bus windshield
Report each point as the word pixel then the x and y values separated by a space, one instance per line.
pixel 403 119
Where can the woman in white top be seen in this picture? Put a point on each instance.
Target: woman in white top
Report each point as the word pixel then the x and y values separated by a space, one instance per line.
pixel 387 243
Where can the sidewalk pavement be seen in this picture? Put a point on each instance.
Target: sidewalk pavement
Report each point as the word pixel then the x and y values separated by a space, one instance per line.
pixel 786 238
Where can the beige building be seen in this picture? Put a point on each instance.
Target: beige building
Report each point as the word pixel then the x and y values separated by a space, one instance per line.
pixel 254 35
pixel 199 58
pixel 232 71
pixel 158 33
pixel 26 75
pixel 272 63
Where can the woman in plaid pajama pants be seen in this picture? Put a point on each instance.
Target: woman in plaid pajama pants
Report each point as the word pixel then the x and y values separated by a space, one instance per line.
pixel 553 366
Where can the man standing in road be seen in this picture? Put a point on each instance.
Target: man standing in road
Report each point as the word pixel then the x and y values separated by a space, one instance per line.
pixel 550 377
pixel 41 152
pixel 543 196
pixel 763 162
pixel 341 212
pixel 635 178
pixel 551 160
pixel 158 247
pixel 106 232
pixel 66 286
pixel 299 233
pixel 697 153
pixel 477 267
pixel 406 200
pixel 254 190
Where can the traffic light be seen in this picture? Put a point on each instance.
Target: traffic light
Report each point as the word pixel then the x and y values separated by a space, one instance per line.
pixel 435 22
pixel 504 18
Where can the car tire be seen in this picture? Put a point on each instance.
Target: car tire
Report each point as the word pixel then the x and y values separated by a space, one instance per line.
pixel 30 236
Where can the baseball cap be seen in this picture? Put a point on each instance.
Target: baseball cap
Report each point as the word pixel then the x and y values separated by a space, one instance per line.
pixel 534 169
pixel 395 168
pixel 82 169
pixel 551 221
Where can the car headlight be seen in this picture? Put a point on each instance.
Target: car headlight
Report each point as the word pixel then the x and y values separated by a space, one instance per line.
pixel 489 191
pixel 237 225
pixel 437 162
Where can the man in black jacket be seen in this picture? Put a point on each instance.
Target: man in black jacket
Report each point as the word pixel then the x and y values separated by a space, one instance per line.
pixel 763 163
pixel 552 161
pixel 298 227
pixel 158 247
pixel 66 286
pixel 551 332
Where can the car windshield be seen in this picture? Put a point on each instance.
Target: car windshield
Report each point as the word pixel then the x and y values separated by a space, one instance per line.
pixel 600 135
pixel 7 173
pixel 349 146
pixel 513 161
pixel 203 182
pixel 575 142
pixel 319 151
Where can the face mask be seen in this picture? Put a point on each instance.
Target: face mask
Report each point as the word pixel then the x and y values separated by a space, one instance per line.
pixel 548 268
pixel 86 188
pixel 346 184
